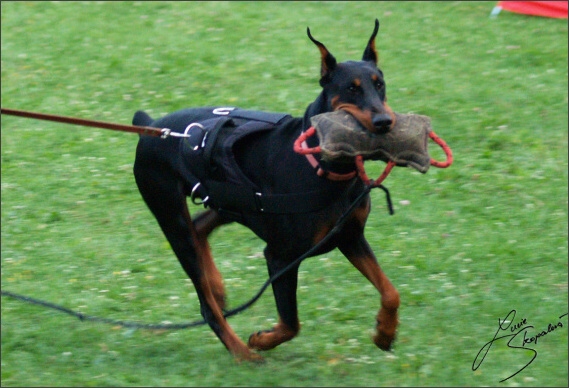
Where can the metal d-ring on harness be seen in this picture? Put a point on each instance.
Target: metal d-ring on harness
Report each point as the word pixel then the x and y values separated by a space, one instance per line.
pixel 194 197
pixel 165 133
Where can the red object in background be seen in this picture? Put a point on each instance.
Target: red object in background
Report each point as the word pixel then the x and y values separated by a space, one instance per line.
pixel 551 9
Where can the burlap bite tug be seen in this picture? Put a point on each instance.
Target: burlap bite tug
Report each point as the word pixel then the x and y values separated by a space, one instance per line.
pixel 342 138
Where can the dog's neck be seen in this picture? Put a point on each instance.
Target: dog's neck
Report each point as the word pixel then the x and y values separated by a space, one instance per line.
pixel 320 105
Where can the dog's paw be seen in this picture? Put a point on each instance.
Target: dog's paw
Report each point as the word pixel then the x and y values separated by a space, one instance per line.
pixel 384 342
pixel 269 339
pixel 249 357
pixel 383 339
pixel 263 340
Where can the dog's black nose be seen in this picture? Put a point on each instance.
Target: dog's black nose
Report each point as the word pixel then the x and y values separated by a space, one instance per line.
pixel 382 122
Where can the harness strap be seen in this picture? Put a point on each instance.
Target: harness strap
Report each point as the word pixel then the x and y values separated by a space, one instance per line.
pixel 245 199
pixel 220 182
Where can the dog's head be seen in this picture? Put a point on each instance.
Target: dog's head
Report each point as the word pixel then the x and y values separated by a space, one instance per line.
pixel 357 86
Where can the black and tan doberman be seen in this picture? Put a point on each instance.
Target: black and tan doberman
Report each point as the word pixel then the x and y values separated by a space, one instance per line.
pixel 290 201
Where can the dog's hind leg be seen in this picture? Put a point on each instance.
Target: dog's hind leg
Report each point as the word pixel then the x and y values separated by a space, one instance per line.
pixel 204 224
pixel 164 195
pixel 362 257
pixel 284 290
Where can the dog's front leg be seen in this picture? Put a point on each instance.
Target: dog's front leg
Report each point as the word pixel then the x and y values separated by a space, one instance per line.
pixel 362 257
pixel 284 290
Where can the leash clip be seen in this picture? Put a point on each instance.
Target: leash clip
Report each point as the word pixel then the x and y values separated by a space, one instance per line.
pixel 167 132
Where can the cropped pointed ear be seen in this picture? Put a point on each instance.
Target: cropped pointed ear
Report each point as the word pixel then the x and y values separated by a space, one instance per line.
pixel 370 54
pixel 328 61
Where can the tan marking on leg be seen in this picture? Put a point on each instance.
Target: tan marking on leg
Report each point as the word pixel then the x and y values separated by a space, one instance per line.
pixel 227 336
pixel 201 228
pixel 266 340
pixel 361 256
pixel 212 289
pixel 212 274
pixel 387 317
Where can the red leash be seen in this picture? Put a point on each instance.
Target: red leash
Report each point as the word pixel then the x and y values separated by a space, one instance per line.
pixel 360 161
pixel 88 123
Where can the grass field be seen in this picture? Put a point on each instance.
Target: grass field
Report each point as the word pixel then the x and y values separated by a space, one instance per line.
pixel 466 245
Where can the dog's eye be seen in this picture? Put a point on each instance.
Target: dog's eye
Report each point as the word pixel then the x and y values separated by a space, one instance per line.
pixel 352 88
pixel 379 85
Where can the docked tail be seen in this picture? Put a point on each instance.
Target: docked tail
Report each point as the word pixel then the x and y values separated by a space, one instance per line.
pixel 142 119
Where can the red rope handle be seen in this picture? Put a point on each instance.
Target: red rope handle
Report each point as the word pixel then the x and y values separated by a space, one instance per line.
pixel 362 172
pixel 445 148
pixel 302 138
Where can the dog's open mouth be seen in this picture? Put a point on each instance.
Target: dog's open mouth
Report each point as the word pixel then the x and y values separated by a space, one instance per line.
pixel 343 136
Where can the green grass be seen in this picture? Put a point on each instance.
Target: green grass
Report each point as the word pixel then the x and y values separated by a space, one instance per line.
pixel 473 242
